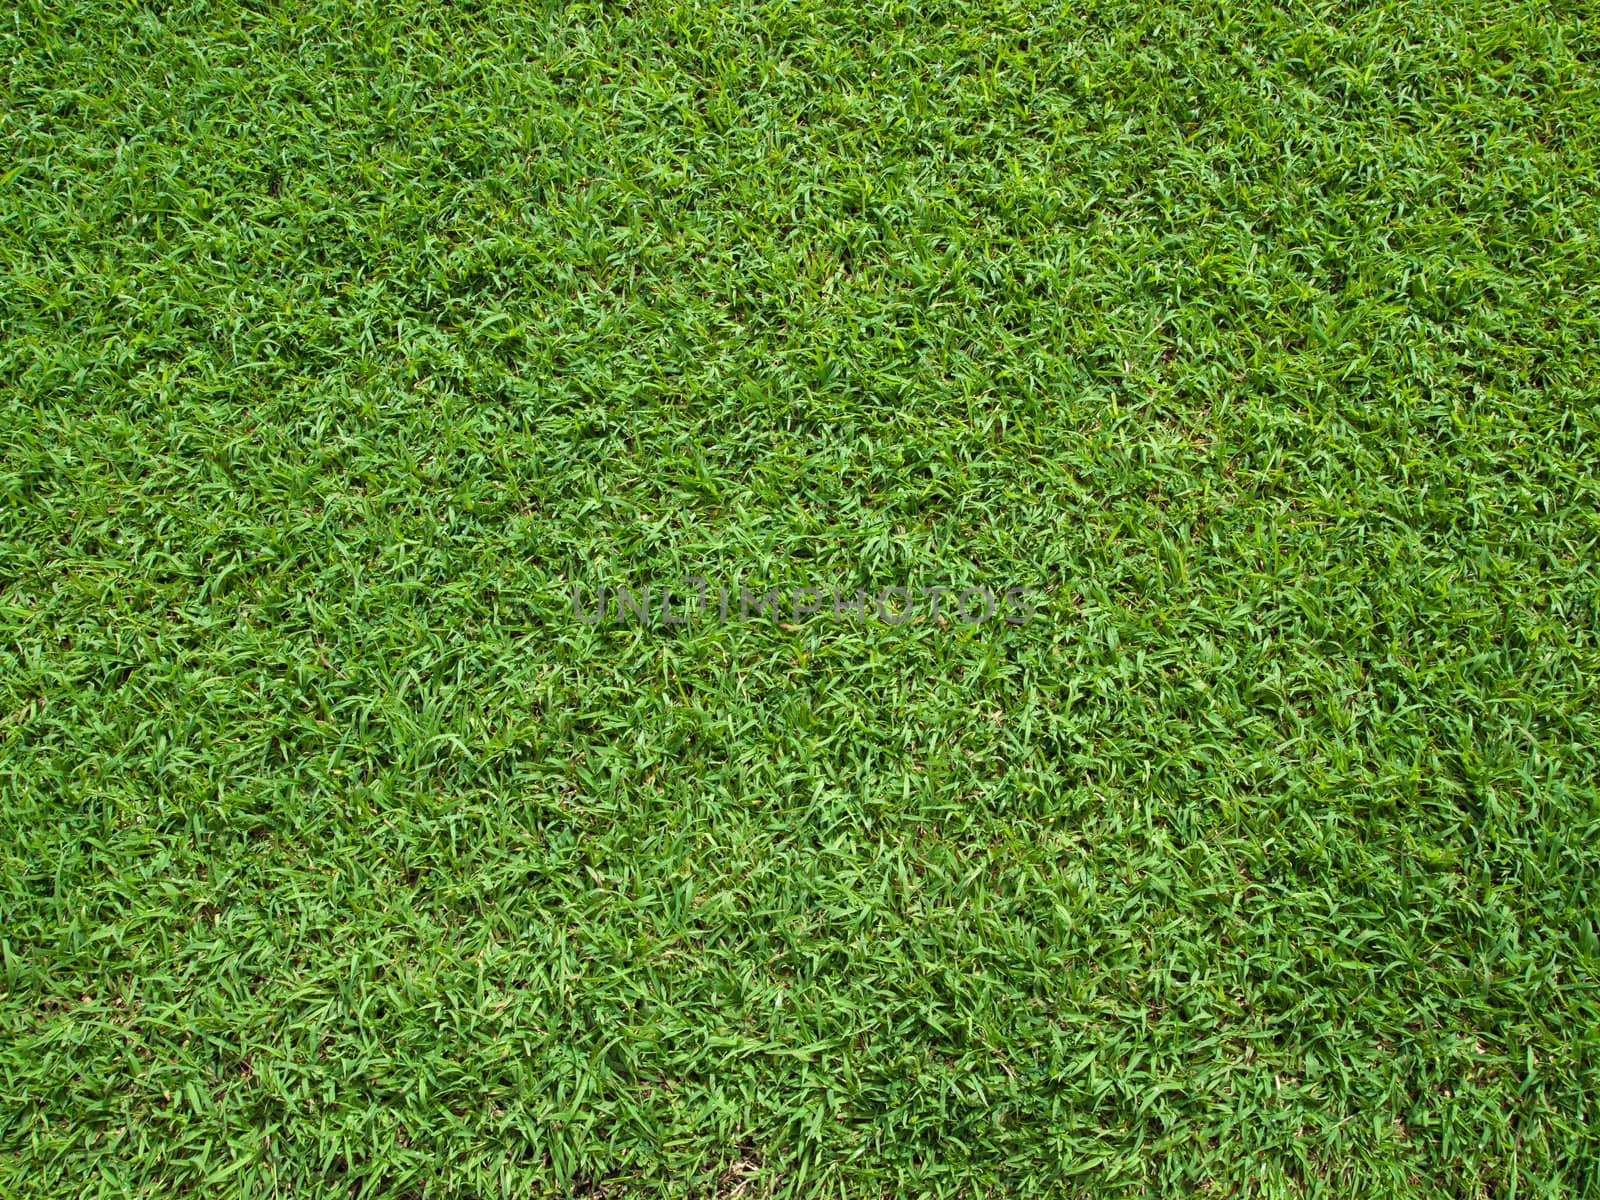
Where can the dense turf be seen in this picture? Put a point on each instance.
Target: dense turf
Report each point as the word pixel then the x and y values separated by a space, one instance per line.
pixel 340 858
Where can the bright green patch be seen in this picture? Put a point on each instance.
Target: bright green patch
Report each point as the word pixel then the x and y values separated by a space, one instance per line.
pixel 338 858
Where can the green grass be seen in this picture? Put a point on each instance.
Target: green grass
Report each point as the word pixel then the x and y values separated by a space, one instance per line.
pixel 338 859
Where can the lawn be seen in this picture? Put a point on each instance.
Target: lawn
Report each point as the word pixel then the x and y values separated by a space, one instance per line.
pixel 1245 357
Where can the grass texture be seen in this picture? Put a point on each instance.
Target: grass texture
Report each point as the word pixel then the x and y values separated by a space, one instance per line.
pixel 1263 343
